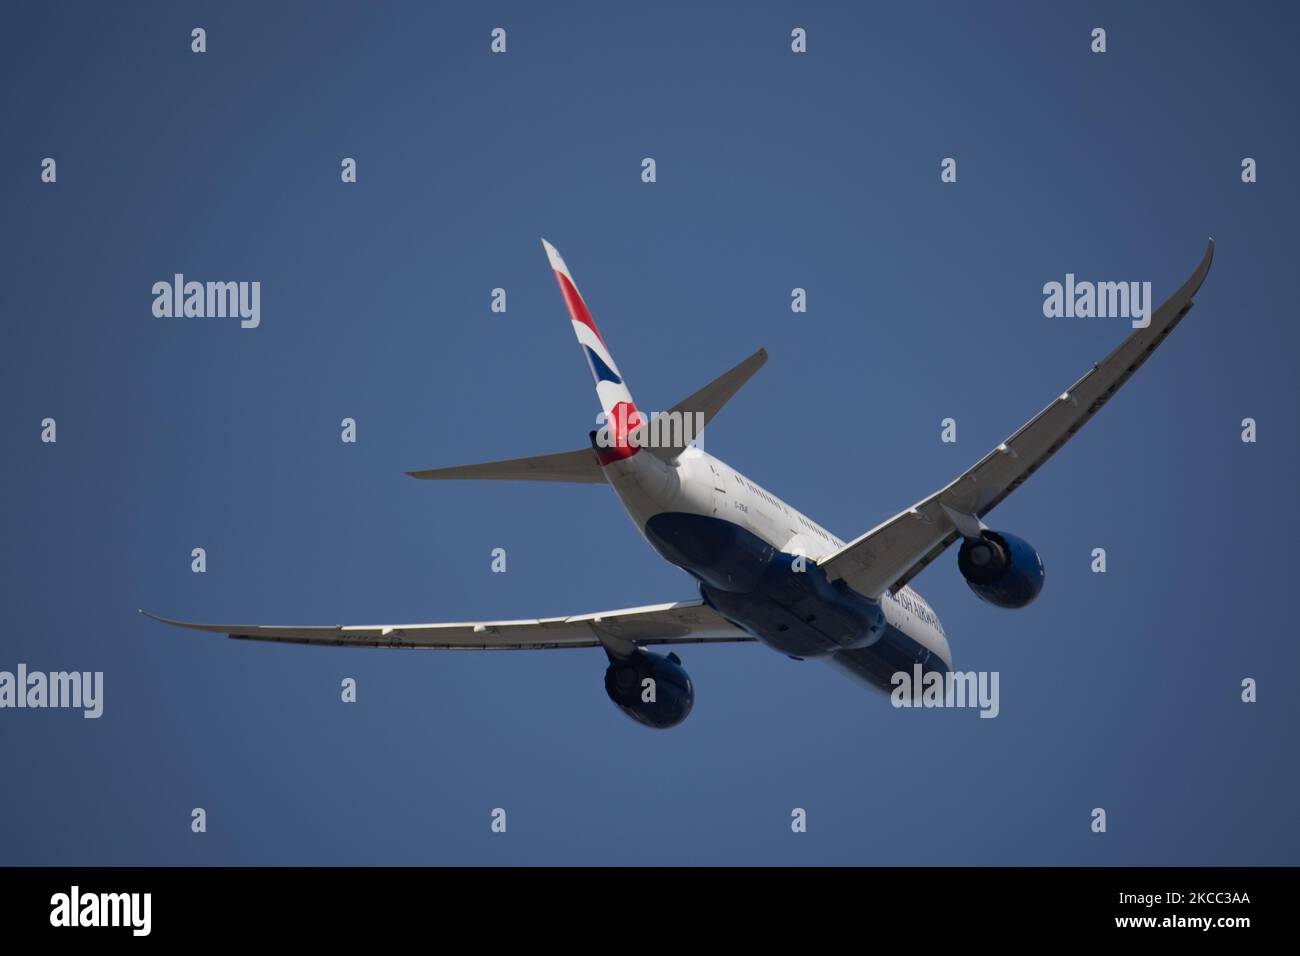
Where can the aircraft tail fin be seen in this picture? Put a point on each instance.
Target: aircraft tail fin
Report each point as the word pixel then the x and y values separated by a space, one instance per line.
pixel 616 402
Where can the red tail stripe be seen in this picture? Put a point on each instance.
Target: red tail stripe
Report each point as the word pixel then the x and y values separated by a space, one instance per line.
pixel 577 308
pixel 623 420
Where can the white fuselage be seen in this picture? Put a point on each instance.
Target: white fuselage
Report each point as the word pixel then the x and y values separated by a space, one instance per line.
pixel 697 483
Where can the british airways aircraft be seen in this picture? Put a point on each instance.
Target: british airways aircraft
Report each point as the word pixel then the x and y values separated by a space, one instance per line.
pixel 766 572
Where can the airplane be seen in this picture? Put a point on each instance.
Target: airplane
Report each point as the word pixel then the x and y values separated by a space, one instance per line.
pixel 765 571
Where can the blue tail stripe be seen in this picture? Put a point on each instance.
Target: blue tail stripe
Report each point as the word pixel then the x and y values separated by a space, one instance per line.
pixel 599 370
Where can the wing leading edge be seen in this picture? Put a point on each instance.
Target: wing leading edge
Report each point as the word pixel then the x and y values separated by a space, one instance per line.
pixel 892 553
pixel 684 622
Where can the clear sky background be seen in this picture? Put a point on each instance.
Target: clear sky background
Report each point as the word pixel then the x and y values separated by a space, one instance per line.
pixel 775 171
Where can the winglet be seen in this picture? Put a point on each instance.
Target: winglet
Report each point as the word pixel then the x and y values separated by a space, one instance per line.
pixel 1203 269
pixel 159 617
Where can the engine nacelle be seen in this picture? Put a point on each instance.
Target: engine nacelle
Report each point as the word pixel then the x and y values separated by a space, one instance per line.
pixel 650 688
pixel 1001 568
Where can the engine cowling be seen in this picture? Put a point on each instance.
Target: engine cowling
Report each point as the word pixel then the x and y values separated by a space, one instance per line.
pixel 1001 568
pixel 652 689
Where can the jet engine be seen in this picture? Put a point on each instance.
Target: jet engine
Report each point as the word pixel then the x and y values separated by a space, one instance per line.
pixel 650 688
pixel 1001 568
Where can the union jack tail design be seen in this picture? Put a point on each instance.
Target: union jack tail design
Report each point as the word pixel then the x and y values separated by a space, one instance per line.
pixel 615 400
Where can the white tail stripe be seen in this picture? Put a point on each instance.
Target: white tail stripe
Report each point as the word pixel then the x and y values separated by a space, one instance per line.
pixel 611 390
pixel 557 262
pixel 592 341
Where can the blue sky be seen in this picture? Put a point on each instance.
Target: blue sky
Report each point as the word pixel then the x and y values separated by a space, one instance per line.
pixel 775 171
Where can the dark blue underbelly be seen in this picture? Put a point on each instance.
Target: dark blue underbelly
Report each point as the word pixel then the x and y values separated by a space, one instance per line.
pixel 797 612
pixel 894 652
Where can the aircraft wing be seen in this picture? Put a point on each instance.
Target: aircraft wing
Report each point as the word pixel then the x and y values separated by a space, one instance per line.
pixel 891 554
pixel 684 622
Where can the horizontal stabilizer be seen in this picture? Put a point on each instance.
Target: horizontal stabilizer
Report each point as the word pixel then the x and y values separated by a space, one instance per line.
pixel 708 401
pixel 581 466
pixel 578 466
